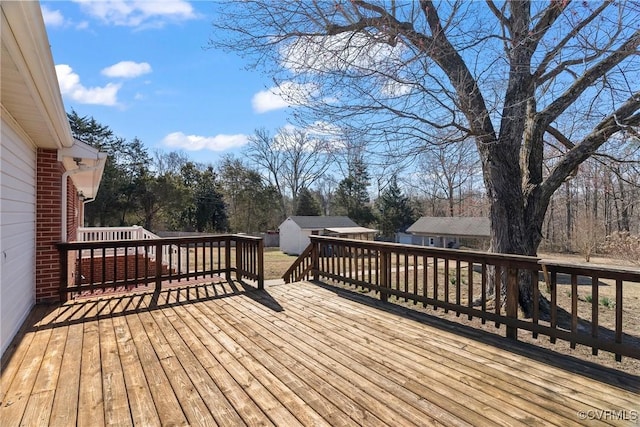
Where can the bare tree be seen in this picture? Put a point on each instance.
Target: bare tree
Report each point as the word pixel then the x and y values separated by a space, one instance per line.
pixel 291 160
pixel 448 170
pixel 600 200
pixel 504 74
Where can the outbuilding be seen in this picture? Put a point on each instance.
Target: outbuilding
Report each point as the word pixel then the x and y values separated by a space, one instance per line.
pixel 447 232
pixel 295 231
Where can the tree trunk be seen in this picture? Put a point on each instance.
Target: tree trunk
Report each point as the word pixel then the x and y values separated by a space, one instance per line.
pixel 569 218
pixel 516 217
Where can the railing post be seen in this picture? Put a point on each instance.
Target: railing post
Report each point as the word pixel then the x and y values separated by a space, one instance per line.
pixel 315 260
pixel 512 301
pixel 158 267
pixel 227 257
pixel 239 259
pixel 260 264
pixel 64 273
pixel 384 274
pixel 618 333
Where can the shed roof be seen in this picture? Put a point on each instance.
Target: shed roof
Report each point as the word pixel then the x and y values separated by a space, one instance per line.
pixel 322 222
pixel 448 226
pixel 351 230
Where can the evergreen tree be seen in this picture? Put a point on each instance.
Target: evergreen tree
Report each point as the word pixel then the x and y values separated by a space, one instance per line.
pixel 203 206
pixel 126 163
pixel 211 214
pixel 394 211
pixel 307 204
pixel 352 198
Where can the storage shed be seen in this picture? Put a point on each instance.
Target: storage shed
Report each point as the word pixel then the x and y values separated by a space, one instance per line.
pixel 295 231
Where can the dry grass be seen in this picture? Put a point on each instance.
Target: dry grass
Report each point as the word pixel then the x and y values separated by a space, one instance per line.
pixel 276 263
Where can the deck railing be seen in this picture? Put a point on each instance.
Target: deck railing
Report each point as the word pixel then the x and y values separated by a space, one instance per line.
pixel 96 234
pixel 463 282
pixel 87 267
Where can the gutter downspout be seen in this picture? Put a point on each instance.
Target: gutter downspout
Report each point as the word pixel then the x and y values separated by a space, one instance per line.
pixel 65 175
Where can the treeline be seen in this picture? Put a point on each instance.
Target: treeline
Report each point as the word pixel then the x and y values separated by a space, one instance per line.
pixel 168 191
pixel 597 211
pixel 294 172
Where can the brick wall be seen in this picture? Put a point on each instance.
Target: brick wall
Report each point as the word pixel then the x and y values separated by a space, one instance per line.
pixel 83 269
pixel 49 222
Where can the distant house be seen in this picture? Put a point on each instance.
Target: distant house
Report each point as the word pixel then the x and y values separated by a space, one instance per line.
pixel 45 175
pixel 295 231
pixel 446 232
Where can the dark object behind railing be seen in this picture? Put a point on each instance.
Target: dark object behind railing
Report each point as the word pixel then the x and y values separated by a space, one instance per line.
pixel 86 267
pixel 460 281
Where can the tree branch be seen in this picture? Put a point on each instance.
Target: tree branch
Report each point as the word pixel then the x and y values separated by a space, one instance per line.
pixel 557 107
pixel 624 116
pixel 504 21
pixel 538 74
pixel 550 15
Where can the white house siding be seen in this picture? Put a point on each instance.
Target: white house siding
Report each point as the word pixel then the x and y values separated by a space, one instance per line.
pixel 289 237
pixel 17 231
pixel 303 240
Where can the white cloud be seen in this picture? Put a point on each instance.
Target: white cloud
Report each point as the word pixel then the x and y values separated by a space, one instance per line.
pixel 55 19
pixel 285 95
pixel 267 100
pixel 52 18
pixel 213 143
pixel 127 69
pixel 138 13
pixel 71 88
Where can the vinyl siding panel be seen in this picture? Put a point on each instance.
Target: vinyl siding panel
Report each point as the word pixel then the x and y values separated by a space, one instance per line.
pixel 290 237
pixel 17 232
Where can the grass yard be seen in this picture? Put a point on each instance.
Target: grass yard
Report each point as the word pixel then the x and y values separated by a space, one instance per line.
pixel 276 263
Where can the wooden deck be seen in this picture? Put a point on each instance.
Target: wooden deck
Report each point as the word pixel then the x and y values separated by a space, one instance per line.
pixel 295 354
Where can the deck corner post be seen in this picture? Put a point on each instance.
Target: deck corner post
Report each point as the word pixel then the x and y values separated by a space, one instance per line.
pixel 227 258
pixel 384 274
pixel 512 301
pixel 240 271
pixel 64 272
pixel 261 264
pixel 158 266
pixel 315 260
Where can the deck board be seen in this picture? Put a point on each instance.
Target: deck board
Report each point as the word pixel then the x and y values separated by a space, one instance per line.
pixel 295 354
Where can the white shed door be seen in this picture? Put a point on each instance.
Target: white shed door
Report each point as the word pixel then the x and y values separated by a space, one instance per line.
pixel 17 232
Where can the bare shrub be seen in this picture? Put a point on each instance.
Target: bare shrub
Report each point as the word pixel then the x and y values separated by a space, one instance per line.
pixel 623 245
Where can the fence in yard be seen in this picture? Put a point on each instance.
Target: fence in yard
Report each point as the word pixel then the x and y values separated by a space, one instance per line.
pixel 463 282
pixel 90 266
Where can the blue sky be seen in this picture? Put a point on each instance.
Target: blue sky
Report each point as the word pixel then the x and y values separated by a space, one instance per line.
pixel 142 68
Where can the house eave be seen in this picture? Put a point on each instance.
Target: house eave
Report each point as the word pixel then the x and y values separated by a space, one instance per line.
pixel 28 68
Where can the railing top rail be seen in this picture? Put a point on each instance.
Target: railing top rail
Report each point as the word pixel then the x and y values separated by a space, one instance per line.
pixel 520 261
pixel 431 251
pixel 161 241
pixel 246 237
pixel 602 271
pixel 128 227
